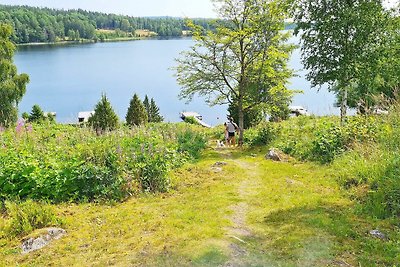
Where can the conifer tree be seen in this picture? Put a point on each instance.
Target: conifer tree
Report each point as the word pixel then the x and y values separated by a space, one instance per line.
pixel 154 112
pixel 146 104
pixel 12 85
pixel 136 114
pixel 104 118
pixel 36 114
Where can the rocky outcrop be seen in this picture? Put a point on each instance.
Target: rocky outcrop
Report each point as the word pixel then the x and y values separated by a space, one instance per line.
pixel 33 244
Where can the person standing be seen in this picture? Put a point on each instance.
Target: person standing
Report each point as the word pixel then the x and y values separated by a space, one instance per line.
pixel 231 128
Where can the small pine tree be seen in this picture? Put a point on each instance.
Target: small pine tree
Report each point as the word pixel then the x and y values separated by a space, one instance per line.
pixel 104 118
pixel 136 114
pixel 25 116
pixel 146 104
pixel 154 112
pixel 37 114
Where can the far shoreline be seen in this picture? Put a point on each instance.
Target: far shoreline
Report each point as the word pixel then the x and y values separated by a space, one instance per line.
pixel 83 41
pixel 86 41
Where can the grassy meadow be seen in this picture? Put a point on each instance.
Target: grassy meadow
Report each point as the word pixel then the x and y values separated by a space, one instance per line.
pixel 164 195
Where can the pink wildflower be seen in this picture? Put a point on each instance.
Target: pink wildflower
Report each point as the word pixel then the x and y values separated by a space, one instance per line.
pixel 29 127
pixel 20 126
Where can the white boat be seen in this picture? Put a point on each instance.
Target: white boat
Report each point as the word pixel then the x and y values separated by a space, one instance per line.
pixel 298 110
pixel 196 116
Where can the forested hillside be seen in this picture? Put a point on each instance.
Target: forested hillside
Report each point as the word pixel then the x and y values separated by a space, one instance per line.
pixel 33 24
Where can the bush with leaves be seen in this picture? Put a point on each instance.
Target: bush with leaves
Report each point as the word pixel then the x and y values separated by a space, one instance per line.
pixel 191 120
pixel 104 117
pixel 191 142
pixel 329 142
pixel 261 135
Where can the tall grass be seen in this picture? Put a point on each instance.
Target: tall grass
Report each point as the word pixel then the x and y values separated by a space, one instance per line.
pixel 373 172
pixel 66 163
pixel 364 154
pixel 23 217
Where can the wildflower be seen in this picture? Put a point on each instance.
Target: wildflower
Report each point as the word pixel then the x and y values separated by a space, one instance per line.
pixel 20 126
pixel 29 127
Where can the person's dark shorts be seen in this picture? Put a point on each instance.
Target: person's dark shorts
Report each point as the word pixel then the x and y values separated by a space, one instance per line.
pixel 231 134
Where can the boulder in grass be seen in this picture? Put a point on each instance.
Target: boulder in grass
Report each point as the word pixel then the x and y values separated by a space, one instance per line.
pixel 33 244
pixel 377 234
pixel 275 155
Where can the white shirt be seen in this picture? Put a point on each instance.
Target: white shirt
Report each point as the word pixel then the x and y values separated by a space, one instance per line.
pixel 231 127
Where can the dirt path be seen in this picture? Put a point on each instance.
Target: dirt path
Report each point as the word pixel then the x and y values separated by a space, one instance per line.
pixel 239 229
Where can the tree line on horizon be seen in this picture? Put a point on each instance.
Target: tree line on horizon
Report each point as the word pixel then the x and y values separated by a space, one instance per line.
pixel 33 24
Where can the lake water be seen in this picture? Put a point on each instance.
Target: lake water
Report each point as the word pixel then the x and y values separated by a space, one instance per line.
pixel 71 78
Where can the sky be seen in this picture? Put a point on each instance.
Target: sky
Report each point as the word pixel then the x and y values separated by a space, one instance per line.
pixel 137 8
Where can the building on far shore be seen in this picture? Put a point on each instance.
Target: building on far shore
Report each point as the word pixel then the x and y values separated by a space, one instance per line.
pixel 84 116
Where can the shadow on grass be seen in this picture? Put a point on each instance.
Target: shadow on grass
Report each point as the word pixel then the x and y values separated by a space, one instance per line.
pixel 226 153
pixel 324 234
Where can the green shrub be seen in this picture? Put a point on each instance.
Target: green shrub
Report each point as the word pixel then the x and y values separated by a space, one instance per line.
pixel 66 163
pixel 328 143
pixel 151 169
pixel 263 134
pixel 191 142
pixel 191 120
pixel 24 217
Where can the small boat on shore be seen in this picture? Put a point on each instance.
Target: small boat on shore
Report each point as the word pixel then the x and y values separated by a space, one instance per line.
pixel 198 118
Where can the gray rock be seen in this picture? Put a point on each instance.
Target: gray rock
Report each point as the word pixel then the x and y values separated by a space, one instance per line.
pixel 377 234
pixel 273 154
pixel 219 164
pixel 216 169
pixel 56 233
pixel 33 244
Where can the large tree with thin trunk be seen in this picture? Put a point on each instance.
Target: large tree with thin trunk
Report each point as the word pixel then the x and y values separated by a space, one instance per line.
pixel 337 37
pixel 12 84
pixel 243 62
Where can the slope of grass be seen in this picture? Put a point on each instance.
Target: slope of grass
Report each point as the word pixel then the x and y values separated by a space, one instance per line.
pixel 249 212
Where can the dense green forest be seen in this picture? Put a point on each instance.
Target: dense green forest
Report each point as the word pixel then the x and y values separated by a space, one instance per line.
pixel 33 24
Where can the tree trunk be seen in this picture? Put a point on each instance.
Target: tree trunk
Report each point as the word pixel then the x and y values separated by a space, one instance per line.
pixel 241 122
pixel 343 107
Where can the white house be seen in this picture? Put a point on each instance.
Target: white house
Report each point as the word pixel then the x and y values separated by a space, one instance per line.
pixel 84 116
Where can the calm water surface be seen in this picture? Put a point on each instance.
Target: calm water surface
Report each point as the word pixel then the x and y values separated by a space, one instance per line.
pixel 71 78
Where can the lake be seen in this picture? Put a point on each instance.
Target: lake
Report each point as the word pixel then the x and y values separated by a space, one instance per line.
pixel 67 79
